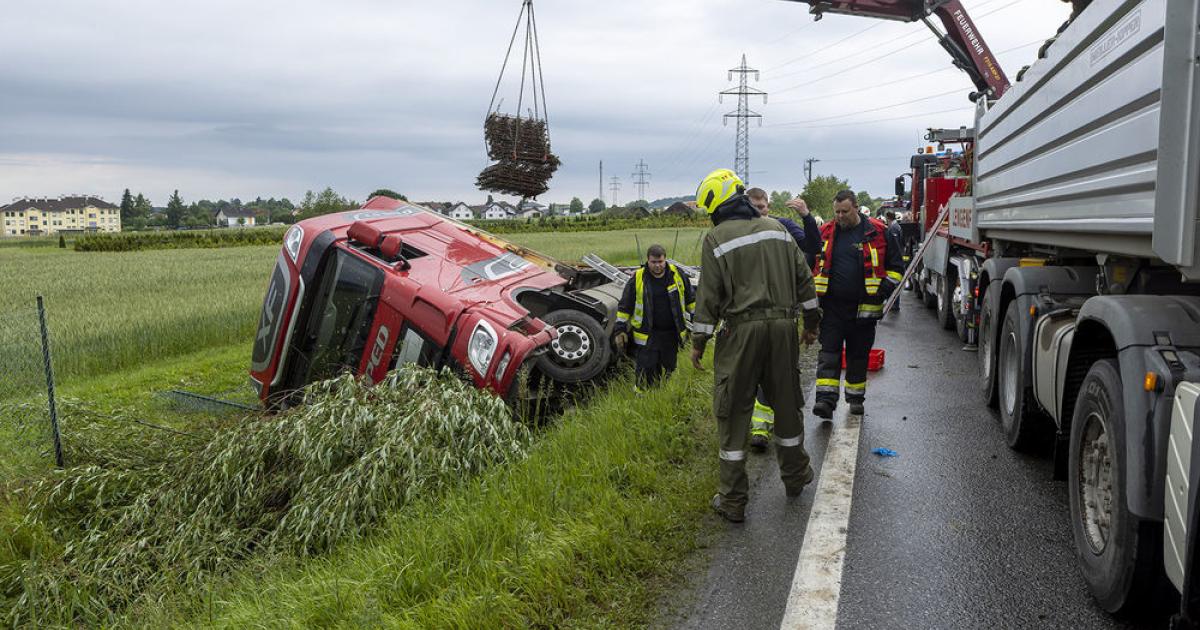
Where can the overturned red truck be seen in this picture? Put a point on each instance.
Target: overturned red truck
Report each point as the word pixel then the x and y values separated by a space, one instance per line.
pixel 392 283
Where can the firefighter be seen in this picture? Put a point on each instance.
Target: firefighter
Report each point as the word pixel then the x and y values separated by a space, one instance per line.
pixel 858 269
pixel 809 241
pixel 895 236
pixel 755 282
pixel 655 307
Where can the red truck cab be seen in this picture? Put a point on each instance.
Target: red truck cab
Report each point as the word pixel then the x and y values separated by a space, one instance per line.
pixel 392 283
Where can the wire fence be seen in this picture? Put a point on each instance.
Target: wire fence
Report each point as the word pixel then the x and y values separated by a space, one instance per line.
pixel 28 421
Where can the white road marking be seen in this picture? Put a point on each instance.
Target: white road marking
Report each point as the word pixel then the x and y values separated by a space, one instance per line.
pixel 817 584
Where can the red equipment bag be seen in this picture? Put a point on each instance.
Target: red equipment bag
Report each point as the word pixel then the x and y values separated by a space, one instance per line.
pixel 874 359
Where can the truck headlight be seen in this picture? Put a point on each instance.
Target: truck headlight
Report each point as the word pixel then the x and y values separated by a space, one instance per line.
pixel 502 366
pixel 481 346
pixel 291 241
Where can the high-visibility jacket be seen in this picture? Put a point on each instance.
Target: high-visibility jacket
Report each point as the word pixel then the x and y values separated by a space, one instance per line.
pixel 634 309
pixel 883 265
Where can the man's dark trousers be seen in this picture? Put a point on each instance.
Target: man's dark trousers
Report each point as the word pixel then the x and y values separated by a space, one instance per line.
pixel 657 358
pixel 841 327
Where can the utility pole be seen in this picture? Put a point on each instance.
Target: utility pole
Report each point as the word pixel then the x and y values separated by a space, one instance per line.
pixel 808 168
pixel 614 186
pixel 741 159
pixel 640 178
pixel 601 180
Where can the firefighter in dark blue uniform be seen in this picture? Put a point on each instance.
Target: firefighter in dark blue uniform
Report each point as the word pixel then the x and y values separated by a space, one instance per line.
pixel 655 308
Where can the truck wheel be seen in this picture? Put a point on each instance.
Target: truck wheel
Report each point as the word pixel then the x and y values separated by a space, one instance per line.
pixel 1118 553
pixel 929 297
pixel 580 352
pixel 987 355
pixel 946 311
pixel 1018 416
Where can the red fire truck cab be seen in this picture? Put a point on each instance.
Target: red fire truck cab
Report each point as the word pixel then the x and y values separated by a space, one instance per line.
pixel 392 283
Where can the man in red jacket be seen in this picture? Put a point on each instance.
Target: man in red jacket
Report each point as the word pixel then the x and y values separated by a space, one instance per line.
pixel 858 269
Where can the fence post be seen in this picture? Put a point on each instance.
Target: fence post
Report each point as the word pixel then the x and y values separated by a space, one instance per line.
pixel 58 456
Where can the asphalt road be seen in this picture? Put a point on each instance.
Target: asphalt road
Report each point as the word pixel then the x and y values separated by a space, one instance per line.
pixel 958 531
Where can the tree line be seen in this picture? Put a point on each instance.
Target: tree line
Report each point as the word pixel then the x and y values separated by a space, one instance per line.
pixel 138 212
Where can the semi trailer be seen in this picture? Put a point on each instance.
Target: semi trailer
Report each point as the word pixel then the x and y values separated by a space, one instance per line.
pixel 1068 258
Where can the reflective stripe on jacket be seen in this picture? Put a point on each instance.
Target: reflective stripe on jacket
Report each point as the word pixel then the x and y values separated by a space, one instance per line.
pixel 631 311
pixel 883 266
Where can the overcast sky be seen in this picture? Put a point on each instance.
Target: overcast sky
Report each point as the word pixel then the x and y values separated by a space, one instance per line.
pixel 224 98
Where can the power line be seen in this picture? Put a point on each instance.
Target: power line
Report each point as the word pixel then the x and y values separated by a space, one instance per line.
pixel 876 86
pixel 822 49
pixel 842 71
pixel 959 110
pixel 741 159
pixel 614 186
pixel 640 178
pixel 868 111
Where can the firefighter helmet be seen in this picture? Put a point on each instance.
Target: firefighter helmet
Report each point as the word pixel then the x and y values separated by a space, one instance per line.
pixel 717 188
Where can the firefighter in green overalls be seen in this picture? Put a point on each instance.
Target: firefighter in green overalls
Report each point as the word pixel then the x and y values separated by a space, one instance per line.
pixel 755 282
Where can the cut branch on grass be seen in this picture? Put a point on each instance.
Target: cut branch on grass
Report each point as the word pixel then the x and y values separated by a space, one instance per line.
pixel 294 484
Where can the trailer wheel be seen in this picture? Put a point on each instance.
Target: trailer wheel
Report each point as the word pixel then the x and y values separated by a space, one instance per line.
pixel 580 352
pixel 946 311
pixel 987 355
pixel 1018 416
pixel 1118 553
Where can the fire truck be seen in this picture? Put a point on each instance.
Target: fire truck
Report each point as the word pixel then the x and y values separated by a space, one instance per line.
pixel 1063 241
pixel 392 284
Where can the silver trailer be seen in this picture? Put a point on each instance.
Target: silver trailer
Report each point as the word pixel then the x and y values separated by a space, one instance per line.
pixel 1086 183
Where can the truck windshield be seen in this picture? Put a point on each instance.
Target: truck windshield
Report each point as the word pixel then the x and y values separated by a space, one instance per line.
pixel 339 319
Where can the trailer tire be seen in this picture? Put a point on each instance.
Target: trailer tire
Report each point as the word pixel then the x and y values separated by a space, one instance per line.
pixel 1019 418
pixel 987 356
pixel 579 334
pixel 945 301
pixel 1119 554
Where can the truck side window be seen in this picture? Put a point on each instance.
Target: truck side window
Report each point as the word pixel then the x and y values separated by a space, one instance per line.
pixel 414 347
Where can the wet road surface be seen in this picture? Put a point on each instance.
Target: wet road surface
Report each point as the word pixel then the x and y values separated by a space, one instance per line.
pixel 957 531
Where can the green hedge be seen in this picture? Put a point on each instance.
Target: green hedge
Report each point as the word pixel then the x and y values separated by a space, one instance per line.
pixel 190 239
pixel 588 224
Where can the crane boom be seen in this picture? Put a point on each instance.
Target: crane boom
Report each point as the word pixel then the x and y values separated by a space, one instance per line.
pixel 962 40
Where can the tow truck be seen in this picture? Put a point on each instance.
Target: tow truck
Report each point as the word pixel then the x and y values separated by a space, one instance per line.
pixel 393 283
pixel 1072 232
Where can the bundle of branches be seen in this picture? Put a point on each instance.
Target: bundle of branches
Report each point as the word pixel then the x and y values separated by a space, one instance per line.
pixel 521 147
pixel 518 177
pixel 516 138
pixel 294 484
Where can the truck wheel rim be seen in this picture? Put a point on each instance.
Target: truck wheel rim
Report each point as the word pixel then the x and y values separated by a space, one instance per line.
pixel 1095 482
pixel 1008 356
pixel 572 345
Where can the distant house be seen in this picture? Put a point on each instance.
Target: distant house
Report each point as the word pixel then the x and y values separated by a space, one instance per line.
pixel 460 211
pixel 235 217
pixel 497 210
pixel 68 214
pixel 680 208
pixel 439 207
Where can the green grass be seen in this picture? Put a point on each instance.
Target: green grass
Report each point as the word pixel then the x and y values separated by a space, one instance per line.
pixel 108 312
pixel 587 531
pixel 583 532
pixel 618 248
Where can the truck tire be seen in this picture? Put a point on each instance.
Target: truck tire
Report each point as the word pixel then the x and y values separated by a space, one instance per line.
pixel 1019 418
pixel 1119 554
pixel 987 355
pixel 945 301
pixel 581 351
pixel 927 296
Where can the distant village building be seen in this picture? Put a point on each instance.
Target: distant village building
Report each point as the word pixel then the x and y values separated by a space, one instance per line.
pixel 498 210
pixel 74 214
pixel 439 207
pixel 680 208
pixel 460 211
pixel 235 217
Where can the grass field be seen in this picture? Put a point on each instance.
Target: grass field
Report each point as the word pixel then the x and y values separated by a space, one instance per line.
pixel 126 326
